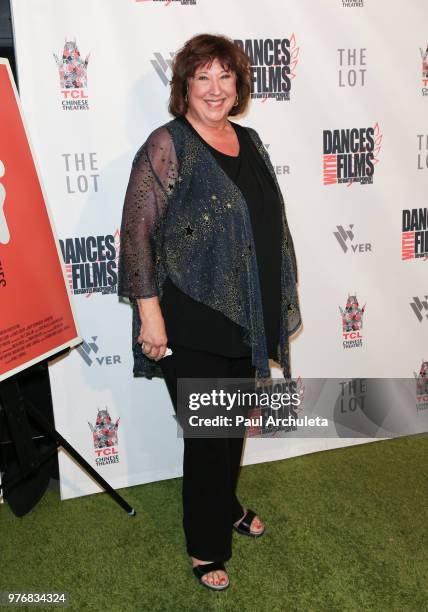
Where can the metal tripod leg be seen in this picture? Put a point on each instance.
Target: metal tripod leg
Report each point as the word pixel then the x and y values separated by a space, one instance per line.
pixel 10 396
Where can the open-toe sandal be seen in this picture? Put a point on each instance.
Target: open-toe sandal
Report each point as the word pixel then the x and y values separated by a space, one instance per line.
pixel 244 527
pixel 201 570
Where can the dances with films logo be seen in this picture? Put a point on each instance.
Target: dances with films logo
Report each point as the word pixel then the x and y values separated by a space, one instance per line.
pixel 421 381
pixel 352 322
pixel 424 58
pixel 270 418
pixel 414 235
pixel 91 263
pixel 73 77
pixel 273 62
pixel 104 436
pixel 350 155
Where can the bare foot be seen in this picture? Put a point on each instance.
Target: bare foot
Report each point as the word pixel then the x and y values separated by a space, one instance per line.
pixel 256 524
pixel 217 577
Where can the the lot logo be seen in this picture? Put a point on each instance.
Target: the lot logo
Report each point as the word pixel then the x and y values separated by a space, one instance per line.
pixel 104 436
pixel 273 61
pixel 350 155
pixel 91 263
pixel 163 66
pixel 352 71
pixel 414 236
pixel 343 236
pixel 352 322
pixel 4 229
pixel 424 57
pixel 352 395
pixel 73 77
pixel 421 381
pixel 81 172
pixel 89 350
pixel 422 151
pixel 420 308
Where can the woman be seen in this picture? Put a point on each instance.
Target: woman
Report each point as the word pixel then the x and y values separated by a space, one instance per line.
pixel 208 263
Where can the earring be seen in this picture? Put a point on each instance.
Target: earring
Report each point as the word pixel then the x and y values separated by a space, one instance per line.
pixel 236 101
pixel 186 97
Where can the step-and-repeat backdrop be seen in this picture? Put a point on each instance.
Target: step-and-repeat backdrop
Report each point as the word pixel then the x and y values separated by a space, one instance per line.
pixel 340 99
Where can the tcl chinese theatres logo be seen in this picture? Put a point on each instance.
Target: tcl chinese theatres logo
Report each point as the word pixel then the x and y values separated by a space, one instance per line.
pixel 72 69
pixel 352 322
pixel 73 77
pixel 421 380
pixel 104 435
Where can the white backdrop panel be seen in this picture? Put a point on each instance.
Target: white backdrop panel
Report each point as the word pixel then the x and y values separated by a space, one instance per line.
pixel 127 98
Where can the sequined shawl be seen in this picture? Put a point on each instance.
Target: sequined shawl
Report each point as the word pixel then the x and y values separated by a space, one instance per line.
pixel 183 217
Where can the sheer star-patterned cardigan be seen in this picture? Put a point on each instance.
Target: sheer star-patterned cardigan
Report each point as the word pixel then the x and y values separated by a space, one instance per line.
pixel 184 218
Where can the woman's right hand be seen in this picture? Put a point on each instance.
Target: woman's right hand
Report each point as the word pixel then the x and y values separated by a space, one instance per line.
pixel 152 331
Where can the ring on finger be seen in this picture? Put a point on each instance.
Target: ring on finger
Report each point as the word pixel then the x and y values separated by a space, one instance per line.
pixel 146 349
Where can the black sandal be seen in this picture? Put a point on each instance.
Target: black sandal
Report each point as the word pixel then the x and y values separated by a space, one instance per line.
pixel 244 527
pixel 201 570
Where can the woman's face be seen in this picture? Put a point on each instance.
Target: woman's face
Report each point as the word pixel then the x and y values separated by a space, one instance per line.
pixel 211 93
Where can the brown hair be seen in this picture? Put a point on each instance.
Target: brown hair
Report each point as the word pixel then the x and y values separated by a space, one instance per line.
pixel 201 50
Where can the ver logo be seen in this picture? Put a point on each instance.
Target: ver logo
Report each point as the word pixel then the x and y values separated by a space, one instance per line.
pixel 162 66
pixel 4 230
pixel 86 349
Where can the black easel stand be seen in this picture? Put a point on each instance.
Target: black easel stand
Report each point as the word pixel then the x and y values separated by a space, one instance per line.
pixel 17 410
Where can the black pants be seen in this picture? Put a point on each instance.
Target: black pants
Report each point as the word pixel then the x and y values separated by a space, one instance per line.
pixel 210 465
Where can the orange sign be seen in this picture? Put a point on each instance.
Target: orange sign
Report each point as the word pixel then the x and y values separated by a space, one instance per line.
pixel 36 315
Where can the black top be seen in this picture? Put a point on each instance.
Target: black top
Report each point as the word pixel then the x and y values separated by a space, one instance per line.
pixel 195 325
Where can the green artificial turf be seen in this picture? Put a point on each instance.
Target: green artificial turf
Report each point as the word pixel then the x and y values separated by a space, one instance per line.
pixel 345 530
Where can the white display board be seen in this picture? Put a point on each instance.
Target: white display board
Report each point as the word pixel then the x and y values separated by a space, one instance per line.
pixel 353 80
